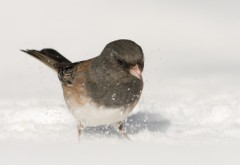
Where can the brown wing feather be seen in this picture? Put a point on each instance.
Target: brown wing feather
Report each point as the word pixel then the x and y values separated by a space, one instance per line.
pixel 66 72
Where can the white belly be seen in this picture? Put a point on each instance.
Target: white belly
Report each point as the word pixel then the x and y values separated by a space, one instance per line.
pixel 91 115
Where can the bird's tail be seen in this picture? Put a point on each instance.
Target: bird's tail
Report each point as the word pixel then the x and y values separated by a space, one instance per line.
pixel 49 57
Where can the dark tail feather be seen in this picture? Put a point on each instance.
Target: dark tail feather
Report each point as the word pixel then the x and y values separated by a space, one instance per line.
pixel 49 57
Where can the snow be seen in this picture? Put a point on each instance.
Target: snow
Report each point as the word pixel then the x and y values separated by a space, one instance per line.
pixel 195 112
pixel 189 112
pixel 194 124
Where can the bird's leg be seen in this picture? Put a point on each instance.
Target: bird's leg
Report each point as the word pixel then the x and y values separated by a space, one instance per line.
pixel 120 129
pixel 80 129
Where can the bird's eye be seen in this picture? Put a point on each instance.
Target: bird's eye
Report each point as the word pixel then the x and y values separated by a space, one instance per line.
pixel 120 62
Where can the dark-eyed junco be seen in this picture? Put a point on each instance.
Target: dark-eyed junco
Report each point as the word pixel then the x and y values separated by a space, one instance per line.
pixel 102 90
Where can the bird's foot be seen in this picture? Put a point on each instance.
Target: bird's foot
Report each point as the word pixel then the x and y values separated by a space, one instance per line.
pixel 120 129
pixel 124 134
pixel 80 129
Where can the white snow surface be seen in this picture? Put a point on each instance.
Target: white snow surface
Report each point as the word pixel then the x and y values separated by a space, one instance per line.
pixel 178 121
pixel 179 111
pixel 183 122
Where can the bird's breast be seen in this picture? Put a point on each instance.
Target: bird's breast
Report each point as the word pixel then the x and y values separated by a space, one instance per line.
pixel 93 115
pixel 90 113
pixel 115 94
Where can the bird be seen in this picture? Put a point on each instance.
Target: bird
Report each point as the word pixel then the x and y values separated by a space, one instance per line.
pixel 102 90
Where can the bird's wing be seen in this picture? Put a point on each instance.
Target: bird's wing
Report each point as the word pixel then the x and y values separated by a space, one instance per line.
pixel 66 72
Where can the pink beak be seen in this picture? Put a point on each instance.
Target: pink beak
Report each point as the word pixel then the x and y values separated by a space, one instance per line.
pixel 135 71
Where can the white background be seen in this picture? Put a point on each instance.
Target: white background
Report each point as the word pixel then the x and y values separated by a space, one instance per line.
pixel 191 95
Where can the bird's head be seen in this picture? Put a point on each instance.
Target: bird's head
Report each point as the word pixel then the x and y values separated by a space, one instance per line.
pixel 124 57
